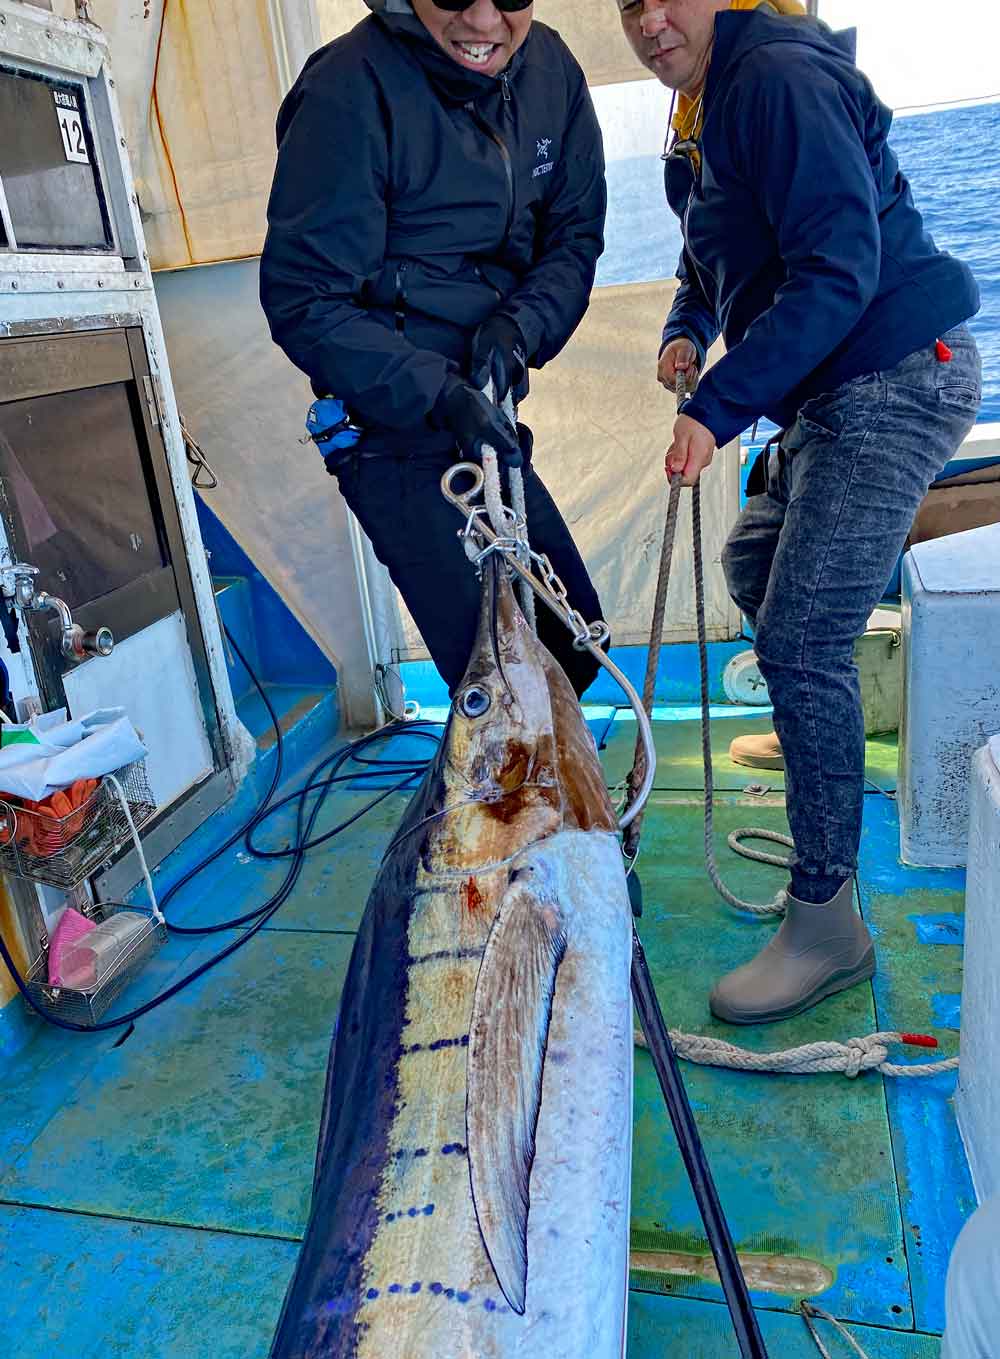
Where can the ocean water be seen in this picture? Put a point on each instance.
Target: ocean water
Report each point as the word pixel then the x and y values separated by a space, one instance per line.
pixel 952 159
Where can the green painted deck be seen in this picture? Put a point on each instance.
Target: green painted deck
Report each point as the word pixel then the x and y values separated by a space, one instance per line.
pixel 153 1189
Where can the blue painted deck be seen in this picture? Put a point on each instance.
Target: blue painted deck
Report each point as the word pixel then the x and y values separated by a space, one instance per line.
pixel 153 1190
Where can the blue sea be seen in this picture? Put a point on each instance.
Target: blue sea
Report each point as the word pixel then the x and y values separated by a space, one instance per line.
pixel 952 159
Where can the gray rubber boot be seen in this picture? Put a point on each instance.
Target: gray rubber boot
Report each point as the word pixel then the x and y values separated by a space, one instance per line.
pixel 816 951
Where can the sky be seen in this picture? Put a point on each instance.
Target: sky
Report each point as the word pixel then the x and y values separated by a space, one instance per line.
pixel 921 52
pixel 916 52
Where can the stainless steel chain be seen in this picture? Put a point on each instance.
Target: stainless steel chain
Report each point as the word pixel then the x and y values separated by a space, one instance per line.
pixel 479 536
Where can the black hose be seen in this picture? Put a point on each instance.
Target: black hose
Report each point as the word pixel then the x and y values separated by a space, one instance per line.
pixel 296 851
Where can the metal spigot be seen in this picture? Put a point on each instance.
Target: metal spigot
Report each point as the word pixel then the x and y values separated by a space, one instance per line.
pixel 100 642
pixel 17 581
pixel 17 584
pixel 77 645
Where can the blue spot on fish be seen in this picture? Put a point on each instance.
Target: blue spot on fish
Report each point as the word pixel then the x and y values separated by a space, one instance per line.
pixel 447 954
pixel 372 1294
pixel 454 1149
pixel 463 1297
pixel 490 1305
pixel 415 1288
pixel 395 1288
pixel 427 1211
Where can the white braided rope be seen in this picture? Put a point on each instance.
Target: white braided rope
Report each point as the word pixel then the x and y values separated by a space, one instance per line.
pixel 140 852
pixel 513 522
pixel 760 856
pixel 811 1059
pixel 809 1311
pixel 520 507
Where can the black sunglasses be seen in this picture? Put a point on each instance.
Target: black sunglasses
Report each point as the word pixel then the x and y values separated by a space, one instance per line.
pixel 507 6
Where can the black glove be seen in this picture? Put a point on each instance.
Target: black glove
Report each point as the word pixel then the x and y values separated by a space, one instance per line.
pixel 499 352
pixel 474 421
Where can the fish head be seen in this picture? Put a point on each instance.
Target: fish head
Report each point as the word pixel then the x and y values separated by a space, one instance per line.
pixel 517 754
pixel 500 744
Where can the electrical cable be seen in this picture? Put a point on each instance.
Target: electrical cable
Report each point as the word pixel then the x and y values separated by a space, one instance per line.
pixel 296 851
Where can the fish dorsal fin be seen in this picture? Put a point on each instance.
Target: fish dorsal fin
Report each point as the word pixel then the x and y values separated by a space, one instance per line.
pixel 507 1043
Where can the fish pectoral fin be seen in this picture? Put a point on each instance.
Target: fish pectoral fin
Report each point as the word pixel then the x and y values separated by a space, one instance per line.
pixel 507 1042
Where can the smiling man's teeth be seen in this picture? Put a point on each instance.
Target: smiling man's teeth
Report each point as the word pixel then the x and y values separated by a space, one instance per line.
pixel 476 51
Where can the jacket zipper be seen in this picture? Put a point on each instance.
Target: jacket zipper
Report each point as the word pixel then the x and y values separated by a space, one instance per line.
pixel 501 146
pixel 400 298
pixel 686 233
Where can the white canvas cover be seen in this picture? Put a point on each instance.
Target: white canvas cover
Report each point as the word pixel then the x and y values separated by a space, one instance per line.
pixel 203 150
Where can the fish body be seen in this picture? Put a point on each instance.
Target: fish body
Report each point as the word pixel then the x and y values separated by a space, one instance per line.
pixel 471 1193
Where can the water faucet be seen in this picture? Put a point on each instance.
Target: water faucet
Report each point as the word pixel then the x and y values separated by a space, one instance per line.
pixel 17 583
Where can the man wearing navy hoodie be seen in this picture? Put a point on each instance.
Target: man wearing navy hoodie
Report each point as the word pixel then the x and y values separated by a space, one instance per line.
pixel 436 219
pixel 844 324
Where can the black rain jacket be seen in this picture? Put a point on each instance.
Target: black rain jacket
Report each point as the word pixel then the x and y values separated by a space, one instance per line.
pixel 412 199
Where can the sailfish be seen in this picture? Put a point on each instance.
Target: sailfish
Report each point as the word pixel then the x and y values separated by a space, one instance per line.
pixel 471 1189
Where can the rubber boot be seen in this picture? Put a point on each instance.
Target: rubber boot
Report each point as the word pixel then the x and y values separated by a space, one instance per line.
pixel 758 752
pixel 816 951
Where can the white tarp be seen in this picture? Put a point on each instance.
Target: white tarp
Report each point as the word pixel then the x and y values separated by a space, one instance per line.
pixel 199 87
pixel 591 28
pixel 602 425
pixel 202 140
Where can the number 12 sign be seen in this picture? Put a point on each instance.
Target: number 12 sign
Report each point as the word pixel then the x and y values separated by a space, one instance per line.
pixel 71 128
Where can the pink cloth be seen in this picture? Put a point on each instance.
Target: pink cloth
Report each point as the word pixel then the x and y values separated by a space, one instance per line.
pixel 70 930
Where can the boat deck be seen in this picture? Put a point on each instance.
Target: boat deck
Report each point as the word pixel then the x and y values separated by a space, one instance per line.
pixel 154 1185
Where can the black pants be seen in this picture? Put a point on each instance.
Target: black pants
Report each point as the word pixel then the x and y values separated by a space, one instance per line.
pixel 414 532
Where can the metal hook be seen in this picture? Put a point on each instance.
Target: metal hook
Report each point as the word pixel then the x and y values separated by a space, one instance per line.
pixel 463 500
pixel 584 634
pixel 196 457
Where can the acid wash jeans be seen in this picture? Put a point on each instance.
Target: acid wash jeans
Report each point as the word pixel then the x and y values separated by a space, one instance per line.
pixel 811 558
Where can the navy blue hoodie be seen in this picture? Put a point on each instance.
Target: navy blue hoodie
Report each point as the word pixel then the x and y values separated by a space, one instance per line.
pixel 803 246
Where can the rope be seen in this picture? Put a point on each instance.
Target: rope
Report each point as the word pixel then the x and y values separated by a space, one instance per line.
pixel 809 1311
pixel 630 845
pixel 520 508
pixel 501 517
pixel 759 856
pixel 777 906
pixel 850 1059
pixel 136 841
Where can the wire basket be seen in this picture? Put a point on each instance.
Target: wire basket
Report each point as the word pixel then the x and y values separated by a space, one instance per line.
pixel 88 1006
pixel 63 851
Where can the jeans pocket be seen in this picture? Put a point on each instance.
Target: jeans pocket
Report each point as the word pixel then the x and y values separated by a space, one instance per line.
pixel 958 398
pixel 823 417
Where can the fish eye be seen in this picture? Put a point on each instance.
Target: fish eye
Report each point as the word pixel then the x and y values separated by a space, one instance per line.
pixel 474 702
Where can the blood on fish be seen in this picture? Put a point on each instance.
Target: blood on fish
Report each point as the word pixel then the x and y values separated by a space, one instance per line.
pixel 472 898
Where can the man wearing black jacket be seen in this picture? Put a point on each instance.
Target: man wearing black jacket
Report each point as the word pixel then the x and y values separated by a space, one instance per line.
pixel 436 219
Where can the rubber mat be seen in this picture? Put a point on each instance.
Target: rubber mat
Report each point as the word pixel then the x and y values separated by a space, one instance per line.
pixel 96 1288
pixel 679 1328
pixel 679 762
pixel 208 1114
pixel 803 1164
